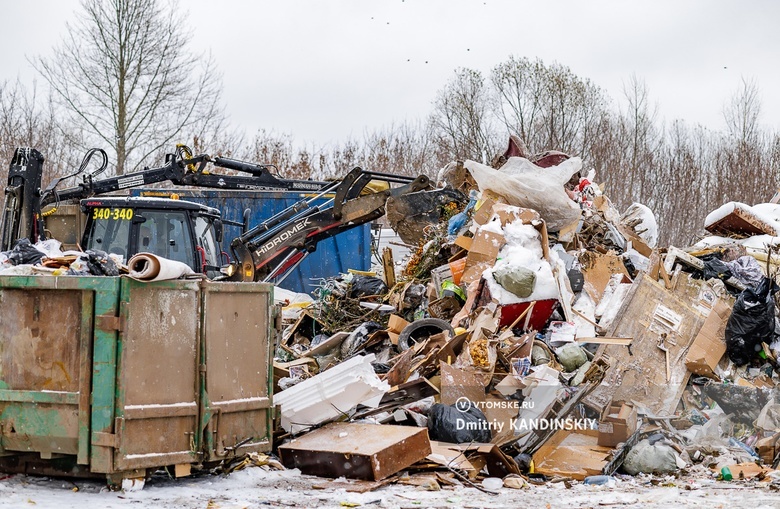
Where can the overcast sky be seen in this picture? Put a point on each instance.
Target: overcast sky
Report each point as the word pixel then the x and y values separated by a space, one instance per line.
pixel 327 70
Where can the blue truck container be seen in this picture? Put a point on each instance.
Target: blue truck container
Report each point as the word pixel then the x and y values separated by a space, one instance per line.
pixel 348 250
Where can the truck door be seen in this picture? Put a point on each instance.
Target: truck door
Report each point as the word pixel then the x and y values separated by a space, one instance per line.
pixel 166 233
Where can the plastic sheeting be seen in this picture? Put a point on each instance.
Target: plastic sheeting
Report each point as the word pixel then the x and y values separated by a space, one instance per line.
pixel 520 182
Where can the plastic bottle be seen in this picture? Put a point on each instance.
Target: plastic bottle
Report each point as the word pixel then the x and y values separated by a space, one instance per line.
pixel 736 443
pixel 598 480
pixel 492 483
pixel 725 474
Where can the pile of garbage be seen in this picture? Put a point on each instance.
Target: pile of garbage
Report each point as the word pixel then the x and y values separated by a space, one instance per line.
pixel 535 335
pixel 47 258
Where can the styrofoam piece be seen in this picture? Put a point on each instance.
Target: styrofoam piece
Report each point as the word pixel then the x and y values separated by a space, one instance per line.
pixel 330 394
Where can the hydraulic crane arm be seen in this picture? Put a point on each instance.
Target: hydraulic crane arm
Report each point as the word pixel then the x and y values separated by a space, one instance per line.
pixel 24 199
pixel 270 250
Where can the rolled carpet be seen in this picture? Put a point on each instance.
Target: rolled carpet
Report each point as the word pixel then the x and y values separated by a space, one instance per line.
pixel 150 267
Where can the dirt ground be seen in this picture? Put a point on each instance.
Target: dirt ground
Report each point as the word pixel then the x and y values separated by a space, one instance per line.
pixel 258 488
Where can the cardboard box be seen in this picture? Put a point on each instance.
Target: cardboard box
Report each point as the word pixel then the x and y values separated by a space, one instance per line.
pixel 709 345
pixel 767 448
pixel 484 212
pixel 395 326
pixel 617 424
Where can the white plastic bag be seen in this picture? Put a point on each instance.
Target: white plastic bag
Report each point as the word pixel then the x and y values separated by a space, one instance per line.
pixel 524 184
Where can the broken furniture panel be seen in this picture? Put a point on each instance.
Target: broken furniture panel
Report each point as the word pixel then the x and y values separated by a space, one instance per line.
pixel 663 324
pixel 358 451
pixel 675 255
pixel 736 218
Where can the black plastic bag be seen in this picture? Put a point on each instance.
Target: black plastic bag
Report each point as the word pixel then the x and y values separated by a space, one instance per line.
pixel 100 264
pixel 460 423
pixel 752 322
pixel 24 253
pixel 366 285
pixel 716 269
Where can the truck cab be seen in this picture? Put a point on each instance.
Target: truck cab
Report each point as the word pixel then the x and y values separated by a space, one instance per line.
pixel 179 230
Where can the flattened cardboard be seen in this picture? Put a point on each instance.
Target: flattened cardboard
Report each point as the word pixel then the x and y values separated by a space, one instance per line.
pixel 451 456
pixel 457 383
pixel 509 214
pixel 572 454
pixel 598 270
pixel 485 211
pixel 482 255
pixel 709 345
pixel 464 242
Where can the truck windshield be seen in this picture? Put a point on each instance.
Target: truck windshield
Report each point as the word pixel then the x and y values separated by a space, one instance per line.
pixel 108 233
pixel 166 234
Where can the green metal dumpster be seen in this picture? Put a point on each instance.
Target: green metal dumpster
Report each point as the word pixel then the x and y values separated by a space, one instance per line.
pixel 117 377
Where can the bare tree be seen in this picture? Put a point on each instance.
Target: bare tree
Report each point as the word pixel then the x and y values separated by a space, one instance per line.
pixel 461 118
pixel 520 86
pixel 28 120
pixel 742 113
pixel 404 149
pixel 746 154
pixel 640 121
pixel 639 141
pixel 124 73
pixel 549 107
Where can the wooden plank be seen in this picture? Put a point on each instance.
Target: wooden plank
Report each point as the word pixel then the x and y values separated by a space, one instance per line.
pixel 388 266
pixel 606 341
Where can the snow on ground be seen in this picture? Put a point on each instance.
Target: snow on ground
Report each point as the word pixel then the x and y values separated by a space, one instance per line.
pixel 257 488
